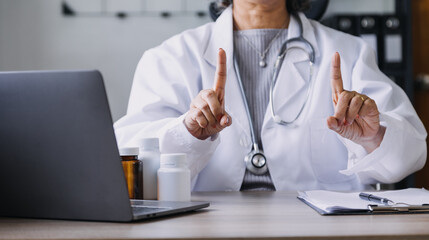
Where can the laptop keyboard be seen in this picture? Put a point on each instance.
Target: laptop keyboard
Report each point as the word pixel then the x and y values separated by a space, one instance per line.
pixel 138 210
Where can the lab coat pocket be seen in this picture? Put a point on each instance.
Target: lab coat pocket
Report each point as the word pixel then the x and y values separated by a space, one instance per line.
pixel 328 154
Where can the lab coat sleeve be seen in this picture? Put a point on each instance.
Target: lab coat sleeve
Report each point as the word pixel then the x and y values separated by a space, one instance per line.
pixel 403 148
pixel 160 97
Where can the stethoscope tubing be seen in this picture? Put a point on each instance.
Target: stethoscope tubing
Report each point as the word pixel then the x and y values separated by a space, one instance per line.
pixel 277 67
pixel 259 170
pixel 246 105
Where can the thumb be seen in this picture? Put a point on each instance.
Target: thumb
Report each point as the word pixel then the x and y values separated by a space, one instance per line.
pixel 226 120
pixel 333 124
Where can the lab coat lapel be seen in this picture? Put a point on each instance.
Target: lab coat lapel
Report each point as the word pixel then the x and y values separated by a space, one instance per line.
pixel 222 37
pixel 294 73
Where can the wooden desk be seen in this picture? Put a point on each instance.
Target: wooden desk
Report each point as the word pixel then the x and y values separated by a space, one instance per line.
pixel 231 215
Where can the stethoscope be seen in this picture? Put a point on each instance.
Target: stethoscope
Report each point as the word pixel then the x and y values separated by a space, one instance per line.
pixel 255 160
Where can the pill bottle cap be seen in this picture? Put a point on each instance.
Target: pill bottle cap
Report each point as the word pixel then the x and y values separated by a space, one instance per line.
pixel 149 144
pixel 129 151
pixel 173 160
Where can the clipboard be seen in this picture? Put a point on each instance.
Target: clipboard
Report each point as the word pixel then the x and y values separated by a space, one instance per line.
pixel 399 209
pixel 349 203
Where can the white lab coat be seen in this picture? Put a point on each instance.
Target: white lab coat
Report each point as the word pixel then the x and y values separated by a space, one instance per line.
pixel 306 156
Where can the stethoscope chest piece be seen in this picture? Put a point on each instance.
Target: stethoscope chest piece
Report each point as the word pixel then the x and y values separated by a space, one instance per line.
pixel 256 162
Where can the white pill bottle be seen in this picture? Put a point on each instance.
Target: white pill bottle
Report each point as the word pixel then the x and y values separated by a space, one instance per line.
pixel 149 155
pixel 174 178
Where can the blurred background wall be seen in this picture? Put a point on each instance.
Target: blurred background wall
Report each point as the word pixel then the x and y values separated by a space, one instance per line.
pixel 34 35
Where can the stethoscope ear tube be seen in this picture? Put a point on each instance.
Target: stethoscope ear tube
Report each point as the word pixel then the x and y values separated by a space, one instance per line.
pixel 282 54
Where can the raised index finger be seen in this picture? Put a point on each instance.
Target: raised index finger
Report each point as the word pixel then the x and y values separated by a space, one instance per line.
pixel 220 76
pixel 336 79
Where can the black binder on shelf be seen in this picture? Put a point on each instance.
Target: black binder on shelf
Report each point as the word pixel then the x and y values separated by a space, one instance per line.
pixel 369 29
pixel 394 42
pixel 385 33
pixel 344 23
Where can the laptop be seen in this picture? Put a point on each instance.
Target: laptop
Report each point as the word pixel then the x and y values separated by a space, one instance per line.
pixel 58 153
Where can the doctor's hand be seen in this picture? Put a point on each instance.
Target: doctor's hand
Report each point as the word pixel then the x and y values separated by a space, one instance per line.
pixel 356 116
pixel 207 115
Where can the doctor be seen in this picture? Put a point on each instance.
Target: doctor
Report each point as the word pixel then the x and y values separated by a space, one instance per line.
pixel 312 121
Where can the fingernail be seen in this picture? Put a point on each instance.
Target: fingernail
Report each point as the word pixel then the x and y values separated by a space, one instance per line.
pixel 334 125
pixel 227 120
pixel 339 123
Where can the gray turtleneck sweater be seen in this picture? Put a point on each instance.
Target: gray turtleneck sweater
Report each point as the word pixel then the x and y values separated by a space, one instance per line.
pixel 256 82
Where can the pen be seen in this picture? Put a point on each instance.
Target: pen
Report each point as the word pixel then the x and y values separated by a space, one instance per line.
pixel 373 198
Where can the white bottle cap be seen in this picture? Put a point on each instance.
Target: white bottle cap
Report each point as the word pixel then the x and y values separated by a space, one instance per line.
pixel 173 160
pixel 129 151
pixel 149 144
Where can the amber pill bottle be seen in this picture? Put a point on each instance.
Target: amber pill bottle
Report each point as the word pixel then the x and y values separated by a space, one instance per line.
pixel 133 170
